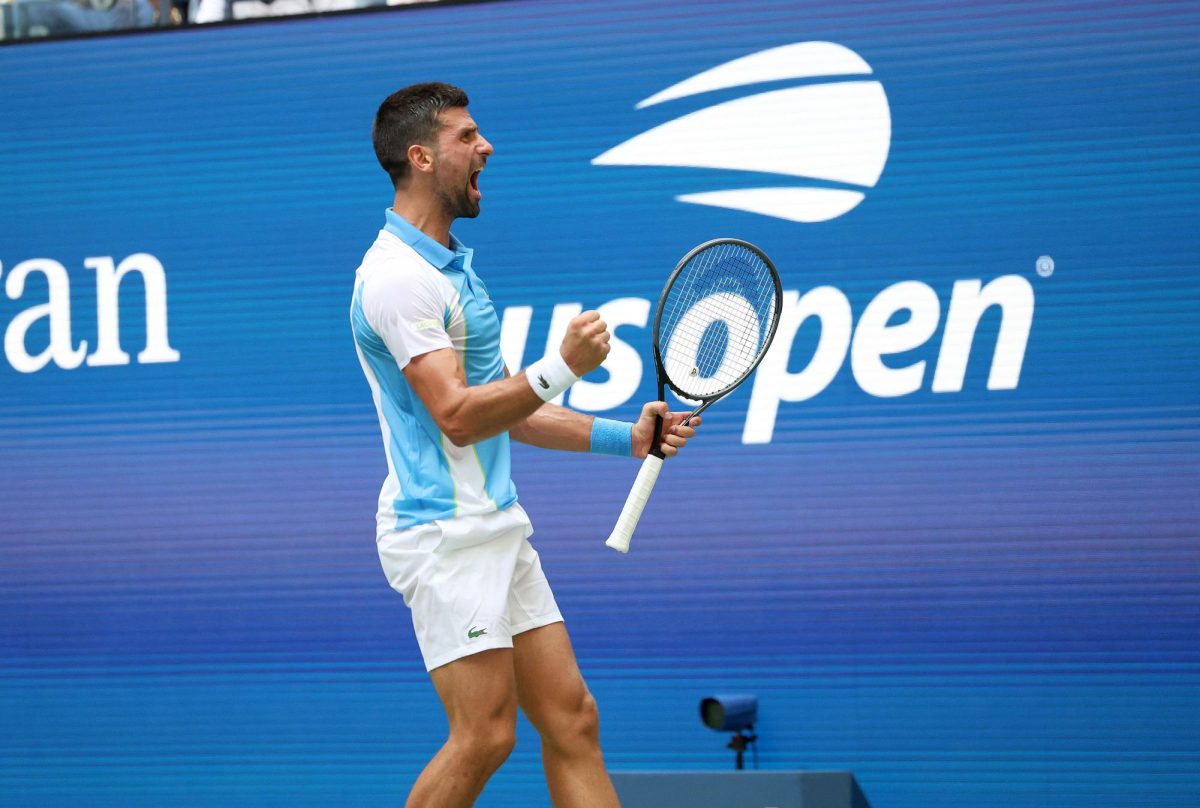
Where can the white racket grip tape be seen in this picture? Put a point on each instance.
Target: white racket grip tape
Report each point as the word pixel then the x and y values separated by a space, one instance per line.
pixel 631 514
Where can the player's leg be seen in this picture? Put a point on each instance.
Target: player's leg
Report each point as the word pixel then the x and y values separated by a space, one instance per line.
pixel 555 699
pixel 480 698
pixel 459 599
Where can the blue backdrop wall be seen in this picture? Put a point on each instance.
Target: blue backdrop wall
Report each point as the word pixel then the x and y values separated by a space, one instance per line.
pixel 948 535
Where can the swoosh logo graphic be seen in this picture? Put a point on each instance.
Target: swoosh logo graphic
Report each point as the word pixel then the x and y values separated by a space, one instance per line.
pixel 836 132
pixel 800 60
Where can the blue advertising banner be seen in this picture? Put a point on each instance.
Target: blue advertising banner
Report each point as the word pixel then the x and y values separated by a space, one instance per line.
pixel 948 533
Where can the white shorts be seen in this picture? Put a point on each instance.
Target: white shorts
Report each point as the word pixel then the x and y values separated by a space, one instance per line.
pixel 467 597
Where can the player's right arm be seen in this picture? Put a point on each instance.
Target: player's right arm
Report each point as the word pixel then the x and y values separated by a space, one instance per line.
pixel 405 307
pixel 467 414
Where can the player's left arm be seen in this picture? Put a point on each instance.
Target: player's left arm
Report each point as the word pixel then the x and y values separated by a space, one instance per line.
pixel 555 427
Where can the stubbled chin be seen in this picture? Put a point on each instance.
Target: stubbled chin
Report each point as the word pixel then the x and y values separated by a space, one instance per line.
pixel 473 199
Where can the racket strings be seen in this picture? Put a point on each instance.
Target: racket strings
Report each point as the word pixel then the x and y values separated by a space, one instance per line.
pixel 716 318
pixel 724 269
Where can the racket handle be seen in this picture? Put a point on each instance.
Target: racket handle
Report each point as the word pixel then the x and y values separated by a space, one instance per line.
pixel 634 504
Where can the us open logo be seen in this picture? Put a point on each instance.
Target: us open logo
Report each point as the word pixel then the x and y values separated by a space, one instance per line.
pixel 833 133
pixel 801 133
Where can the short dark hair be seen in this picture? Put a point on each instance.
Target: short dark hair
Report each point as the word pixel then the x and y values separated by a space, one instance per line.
pixel 411 116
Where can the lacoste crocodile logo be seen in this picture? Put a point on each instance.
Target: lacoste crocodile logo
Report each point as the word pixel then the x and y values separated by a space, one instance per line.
pixel 542 381
pixel 472 632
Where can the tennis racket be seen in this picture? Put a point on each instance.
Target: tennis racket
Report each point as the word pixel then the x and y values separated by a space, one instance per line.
pixel 716 318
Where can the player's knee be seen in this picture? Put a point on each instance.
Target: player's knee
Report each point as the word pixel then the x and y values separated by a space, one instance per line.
pixel 488 744
pixel 588 718
pixel 578 727
pixel 500 744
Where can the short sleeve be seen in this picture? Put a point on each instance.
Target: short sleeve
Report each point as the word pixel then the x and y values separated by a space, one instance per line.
pixel 407 311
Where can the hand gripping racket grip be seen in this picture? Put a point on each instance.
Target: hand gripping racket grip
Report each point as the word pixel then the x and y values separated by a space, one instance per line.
pixel 634 504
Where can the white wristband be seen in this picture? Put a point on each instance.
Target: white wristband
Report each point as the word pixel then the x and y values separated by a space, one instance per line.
pixel 549 376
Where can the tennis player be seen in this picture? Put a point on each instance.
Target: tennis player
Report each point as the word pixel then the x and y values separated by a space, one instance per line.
pixel 452 538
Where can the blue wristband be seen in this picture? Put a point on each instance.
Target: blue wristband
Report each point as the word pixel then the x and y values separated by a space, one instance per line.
pixel 612 437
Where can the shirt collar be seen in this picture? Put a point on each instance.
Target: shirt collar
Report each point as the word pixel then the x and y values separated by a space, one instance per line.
pixel 457 258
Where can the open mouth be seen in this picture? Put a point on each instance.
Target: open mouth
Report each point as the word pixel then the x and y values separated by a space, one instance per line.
pixel 474 181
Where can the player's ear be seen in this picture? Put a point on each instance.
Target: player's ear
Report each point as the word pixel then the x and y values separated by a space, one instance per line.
pixel 420 157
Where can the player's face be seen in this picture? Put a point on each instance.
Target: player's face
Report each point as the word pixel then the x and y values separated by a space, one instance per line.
pixel 461 154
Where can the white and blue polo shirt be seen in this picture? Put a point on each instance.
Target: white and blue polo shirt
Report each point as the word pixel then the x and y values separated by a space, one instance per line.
pixel 412 296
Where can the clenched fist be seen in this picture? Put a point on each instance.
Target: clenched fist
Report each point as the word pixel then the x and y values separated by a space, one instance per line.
pixel 586 343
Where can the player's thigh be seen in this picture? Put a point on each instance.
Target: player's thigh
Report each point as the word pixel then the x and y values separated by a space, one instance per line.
pixel 550 687
pixel 478 692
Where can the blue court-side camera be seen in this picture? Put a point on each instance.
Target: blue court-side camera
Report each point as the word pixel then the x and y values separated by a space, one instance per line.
pixel 729 713
pixel 735 714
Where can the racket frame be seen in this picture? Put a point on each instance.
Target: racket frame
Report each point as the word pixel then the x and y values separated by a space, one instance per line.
pixel 664 380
